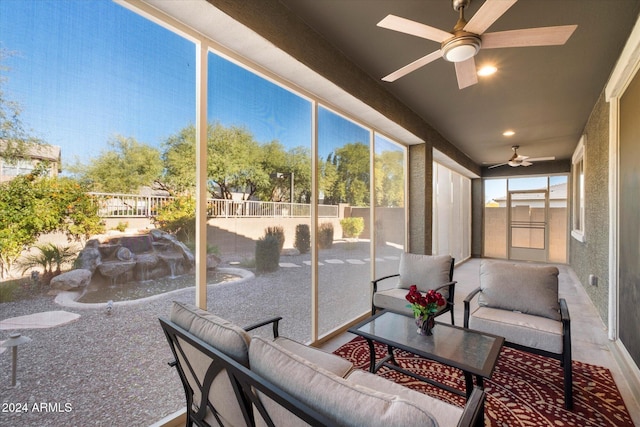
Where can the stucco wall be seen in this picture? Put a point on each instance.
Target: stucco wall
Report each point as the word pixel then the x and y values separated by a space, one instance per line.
pixel 592 256
pixel 420 199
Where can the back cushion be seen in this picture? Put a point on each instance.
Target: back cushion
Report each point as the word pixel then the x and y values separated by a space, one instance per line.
pixel 219 333
pixel 530 289
pixel 226 337
pixel 344 403
pixel 425 271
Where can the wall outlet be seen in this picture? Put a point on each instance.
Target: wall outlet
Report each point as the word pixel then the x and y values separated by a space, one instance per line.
pixel 593 280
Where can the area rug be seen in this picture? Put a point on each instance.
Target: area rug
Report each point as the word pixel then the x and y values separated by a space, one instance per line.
pixel 525 389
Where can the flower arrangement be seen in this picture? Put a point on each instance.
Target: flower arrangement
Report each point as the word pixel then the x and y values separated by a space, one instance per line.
pixel 424 305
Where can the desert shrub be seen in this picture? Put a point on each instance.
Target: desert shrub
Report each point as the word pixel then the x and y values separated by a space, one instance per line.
pixel 277 232
pixel 178 217
pixel 303 238
pixel 267 254
pixel 9 290
pixel 325 235
pixel 352 227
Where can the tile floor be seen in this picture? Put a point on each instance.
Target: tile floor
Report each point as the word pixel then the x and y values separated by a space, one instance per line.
pixel 590 343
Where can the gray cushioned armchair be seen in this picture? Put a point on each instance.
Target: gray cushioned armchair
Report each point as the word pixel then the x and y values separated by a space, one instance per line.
pixel 426 272
pixel 520 303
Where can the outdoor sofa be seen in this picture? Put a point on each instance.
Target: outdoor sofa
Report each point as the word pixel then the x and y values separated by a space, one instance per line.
pixel 233 379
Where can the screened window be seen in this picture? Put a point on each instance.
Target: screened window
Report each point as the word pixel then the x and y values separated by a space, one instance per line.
pixel 577 175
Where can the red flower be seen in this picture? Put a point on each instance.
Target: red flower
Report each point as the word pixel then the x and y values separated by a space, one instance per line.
pixel 424 304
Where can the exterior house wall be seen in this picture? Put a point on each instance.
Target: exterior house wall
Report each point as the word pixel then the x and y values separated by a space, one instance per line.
pixel 592 255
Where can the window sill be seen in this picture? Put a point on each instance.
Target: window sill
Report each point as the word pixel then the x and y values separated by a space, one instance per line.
pixel 578 235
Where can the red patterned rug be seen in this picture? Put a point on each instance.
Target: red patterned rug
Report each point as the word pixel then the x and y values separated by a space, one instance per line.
pixel 525 389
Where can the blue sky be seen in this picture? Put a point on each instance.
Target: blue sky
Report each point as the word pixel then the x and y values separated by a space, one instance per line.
pixel 85 71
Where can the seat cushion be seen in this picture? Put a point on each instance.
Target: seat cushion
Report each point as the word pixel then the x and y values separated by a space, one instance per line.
pixel 343 402
pixel 328 361
pixel 394 300
pixel 519 328
pixel 529 289
pixel 444 413
pixel 425 271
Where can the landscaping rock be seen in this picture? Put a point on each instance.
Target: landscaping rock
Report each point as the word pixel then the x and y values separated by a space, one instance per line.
pixel 71 280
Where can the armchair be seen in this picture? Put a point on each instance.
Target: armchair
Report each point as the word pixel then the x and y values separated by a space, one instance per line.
pixel 426 272
pixel 520 303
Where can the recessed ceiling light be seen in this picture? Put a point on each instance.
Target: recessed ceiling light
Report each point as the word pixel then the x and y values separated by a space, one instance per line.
pixel 508 133
pixel 487 70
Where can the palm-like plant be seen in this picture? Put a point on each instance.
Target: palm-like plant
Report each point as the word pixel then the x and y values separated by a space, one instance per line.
pixel 50 256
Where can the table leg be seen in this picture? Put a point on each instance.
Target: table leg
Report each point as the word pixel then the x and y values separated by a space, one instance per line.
pixel 390 355
pixel 468 383
pixel 372 356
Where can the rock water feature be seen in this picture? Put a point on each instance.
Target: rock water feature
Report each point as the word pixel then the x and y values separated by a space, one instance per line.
pixel 140 257
pixel 126 267
pixel 118 259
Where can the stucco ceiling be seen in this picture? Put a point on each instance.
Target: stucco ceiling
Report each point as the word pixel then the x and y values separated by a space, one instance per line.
pixel 545 94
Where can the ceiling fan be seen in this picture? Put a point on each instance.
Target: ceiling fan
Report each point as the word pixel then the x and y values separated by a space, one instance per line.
pixel 520 160
pixel 462 44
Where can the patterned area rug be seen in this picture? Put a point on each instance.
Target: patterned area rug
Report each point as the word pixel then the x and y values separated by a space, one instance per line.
pixel 525 389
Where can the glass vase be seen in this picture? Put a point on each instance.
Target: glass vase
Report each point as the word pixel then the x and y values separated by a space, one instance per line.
pixel 425 324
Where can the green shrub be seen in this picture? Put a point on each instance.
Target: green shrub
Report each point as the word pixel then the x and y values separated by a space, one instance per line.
pixel 178 217
pixel 352 227
pixel 303 238
pixel 9 290
pixel 325 235
pixel 122 226
pixel 277 232
pixel 267 254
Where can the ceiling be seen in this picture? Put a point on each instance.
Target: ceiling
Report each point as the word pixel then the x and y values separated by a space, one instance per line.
pixel 544 94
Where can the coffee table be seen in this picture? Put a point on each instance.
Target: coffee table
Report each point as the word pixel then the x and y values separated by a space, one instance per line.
pixel 473 352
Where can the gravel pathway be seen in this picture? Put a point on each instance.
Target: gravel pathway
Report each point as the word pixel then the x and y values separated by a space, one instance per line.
pixel 111 370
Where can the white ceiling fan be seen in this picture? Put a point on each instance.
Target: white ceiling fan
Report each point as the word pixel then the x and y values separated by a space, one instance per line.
pixel 462 44
pixel 520 160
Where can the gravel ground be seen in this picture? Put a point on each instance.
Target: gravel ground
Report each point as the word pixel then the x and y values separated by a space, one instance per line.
pixel 111 370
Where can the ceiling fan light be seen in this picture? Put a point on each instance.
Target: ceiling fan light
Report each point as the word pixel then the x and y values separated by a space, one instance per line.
pixel 460 48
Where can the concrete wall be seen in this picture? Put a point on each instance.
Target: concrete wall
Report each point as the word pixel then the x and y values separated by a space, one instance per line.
pixel 592 256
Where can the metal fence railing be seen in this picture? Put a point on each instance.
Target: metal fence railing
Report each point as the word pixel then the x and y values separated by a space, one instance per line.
pixel 117 205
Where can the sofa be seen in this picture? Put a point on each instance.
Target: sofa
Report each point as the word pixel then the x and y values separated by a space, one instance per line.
pixel 234 379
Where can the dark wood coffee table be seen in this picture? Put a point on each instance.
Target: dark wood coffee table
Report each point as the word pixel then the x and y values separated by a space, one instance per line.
pixel 474 353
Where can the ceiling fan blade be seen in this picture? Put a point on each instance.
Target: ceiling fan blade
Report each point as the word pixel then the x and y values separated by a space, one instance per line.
pixel 413 66
pixel 540 159
pixel 488 13
pixel 526 164
pixel 520 157
pixel 543 36
pixel 466 73
pixel 407 26
pixel 499 164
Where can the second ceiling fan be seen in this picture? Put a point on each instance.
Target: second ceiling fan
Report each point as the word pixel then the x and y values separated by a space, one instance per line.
pixel 520 160
pixel 462 44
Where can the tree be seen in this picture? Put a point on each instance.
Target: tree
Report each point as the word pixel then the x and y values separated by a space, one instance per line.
pixel 32 205
pixel 389 178
pixel 236 163
pixel 14 138
pixel 124 168
pixel 346 175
